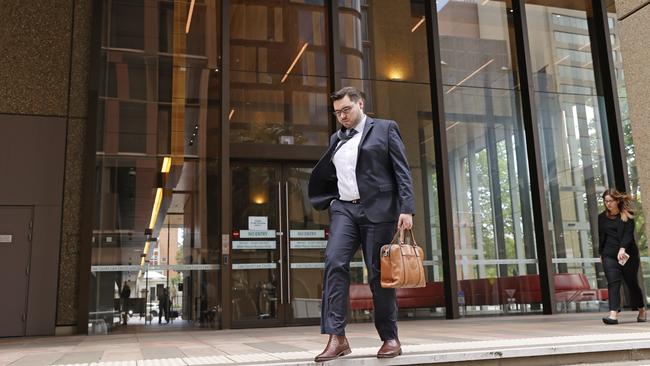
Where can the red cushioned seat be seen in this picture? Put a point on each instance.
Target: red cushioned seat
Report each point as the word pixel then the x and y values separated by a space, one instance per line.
pixel 573 287
pixel 425 297
pixel 360 297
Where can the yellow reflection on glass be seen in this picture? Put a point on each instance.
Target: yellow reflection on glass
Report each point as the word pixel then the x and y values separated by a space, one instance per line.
pixel 259 199
pixel 166 165
pixel 156 207
pixel 396 74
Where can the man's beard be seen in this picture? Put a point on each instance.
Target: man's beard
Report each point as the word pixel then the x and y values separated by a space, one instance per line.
pixel 357 121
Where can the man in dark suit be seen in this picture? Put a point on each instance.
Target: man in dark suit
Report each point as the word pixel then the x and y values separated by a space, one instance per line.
pixel 365 181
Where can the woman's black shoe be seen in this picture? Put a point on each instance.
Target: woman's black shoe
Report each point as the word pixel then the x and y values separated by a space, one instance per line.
pixel 608 320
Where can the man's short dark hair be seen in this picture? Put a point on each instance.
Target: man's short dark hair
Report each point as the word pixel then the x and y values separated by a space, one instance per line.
pixel 353 93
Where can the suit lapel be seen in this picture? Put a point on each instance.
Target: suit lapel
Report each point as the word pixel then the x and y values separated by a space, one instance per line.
pixel 366 129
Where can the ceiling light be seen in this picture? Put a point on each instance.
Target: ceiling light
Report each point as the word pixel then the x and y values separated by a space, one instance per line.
pixel 156 206
pixel 166 165
pixel 562 59
pixel 418 24
pixel 189 18
pixel 286 74
pixel 452 125
pixel 396 74
pixel 470 76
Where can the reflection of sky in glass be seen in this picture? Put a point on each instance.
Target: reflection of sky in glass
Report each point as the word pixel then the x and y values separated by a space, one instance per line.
pixel 441 4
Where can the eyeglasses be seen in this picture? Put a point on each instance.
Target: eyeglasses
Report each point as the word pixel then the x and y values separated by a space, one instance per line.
pixel 344 110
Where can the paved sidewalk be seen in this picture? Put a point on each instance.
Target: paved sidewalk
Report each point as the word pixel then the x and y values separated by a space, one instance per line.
pixel 424 342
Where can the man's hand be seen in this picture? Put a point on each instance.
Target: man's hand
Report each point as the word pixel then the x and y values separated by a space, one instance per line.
pixel 405 221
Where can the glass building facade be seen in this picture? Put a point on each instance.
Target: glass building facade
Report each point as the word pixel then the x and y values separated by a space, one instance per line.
pixel 211 114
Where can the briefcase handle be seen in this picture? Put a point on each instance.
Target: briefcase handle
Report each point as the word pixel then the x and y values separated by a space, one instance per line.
pixel 400 233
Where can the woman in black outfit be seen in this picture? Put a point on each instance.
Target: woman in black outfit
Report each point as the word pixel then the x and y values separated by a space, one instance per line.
pixel 616 243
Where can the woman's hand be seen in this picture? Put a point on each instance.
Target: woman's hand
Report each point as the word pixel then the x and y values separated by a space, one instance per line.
pixel 621 254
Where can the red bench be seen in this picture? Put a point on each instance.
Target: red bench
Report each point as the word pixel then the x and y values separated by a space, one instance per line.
pixel 574 287
pixel 430 296
pixel 569 287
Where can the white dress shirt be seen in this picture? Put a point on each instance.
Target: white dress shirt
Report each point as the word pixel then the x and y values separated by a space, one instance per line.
pixel 345 161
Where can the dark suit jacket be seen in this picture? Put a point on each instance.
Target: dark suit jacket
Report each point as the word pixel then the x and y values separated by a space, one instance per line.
pixel 625 231
pixel 383 174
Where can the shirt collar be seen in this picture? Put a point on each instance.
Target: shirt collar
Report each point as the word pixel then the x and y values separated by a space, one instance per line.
pixel 359 127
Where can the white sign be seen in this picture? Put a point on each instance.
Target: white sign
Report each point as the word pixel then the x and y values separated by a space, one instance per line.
pixel 124 268
pixel 307 265
pixel 307 234
pixel 6 238
pixel 254 266
pixel 256 234
pixel 253 244
pixel 185 267
pixel 308 244
pixel 258 222
pixel 163 267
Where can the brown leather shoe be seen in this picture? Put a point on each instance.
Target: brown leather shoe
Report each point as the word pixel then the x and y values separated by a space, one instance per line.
pixel 336 347
pixel 391 348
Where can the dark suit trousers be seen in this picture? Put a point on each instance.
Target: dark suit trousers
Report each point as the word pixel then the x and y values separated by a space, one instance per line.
pixel 615 273
pixel 349 229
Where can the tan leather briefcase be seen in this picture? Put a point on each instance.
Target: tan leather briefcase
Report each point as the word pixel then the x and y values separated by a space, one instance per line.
pixel 401 262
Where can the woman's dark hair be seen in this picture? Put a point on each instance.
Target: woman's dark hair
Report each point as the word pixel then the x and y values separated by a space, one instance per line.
pixel 624 202
pixel 353 93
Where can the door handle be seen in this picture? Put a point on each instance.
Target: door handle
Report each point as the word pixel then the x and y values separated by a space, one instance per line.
pixel 286 212
pixel 280 241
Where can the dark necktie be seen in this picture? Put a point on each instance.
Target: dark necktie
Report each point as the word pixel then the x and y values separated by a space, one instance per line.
pixel 344 137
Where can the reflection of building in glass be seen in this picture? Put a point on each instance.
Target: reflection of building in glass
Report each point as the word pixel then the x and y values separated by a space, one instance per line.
pixel 205 119
pixel 282 65
pixel 278 70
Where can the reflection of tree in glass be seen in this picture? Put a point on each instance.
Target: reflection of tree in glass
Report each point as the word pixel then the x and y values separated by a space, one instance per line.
pixel 635 189
pixel 506 205
pixel 434 222
pixel 467 208
pixel 485 204
pixel 179 255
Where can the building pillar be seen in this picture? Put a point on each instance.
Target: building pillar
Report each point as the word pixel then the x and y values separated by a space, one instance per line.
pixel 634 31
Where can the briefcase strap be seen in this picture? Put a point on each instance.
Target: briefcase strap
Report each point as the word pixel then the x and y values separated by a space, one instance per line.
pixel 400 234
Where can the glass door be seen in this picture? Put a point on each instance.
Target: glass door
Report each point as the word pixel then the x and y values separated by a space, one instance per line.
pixel 256 250
pixel 307 237
pixel 278 242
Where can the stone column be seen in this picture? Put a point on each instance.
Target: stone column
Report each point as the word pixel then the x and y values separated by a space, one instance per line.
pixel 634 31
